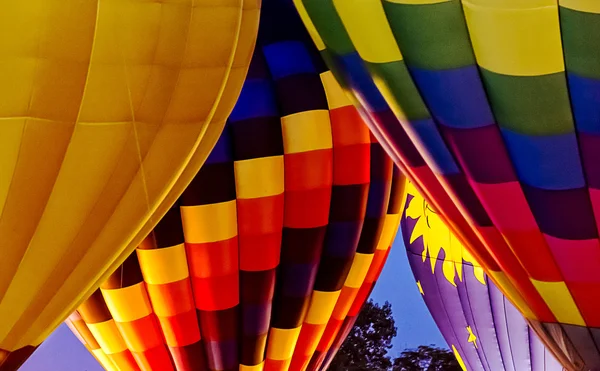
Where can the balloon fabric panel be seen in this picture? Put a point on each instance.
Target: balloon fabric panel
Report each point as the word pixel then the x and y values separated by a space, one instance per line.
pixel 100 95
pixel 281 230
pixel 505 123
pixel 484 330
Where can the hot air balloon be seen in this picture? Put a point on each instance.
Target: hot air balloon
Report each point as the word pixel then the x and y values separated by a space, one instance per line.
pixel 497 130
pixel 108 109
pixel 483 329
pixel 284 228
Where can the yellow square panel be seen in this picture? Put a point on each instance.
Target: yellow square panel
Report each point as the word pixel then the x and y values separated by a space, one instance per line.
pixel 128 304
pixel 321 306
pixel 336 98
pixel 108 336
pixel 259 177
pixel 306 131
pixel 282 343
pixel 160 266
pixel 560 301
pixel 359 269
pixel 390 227
pixel 209 223
pixel 369 30
pixel 515 37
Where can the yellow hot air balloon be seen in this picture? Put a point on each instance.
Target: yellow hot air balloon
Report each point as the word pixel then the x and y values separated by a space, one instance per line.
pixel 107 110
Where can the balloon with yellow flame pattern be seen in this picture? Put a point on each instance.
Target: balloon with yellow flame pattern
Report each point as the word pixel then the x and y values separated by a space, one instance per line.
pixel 483 329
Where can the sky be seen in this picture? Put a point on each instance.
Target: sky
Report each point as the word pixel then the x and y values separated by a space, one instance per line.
pixel 63 351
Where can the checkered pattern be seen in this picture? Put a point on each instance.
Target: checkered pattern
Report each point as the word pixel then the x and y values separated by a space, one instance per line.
pixel 508 126
pixel 279 233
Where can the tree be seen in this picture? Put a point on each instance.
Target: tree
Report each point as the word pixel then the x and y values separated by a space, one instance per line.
pixel 426 358
pixel 367 345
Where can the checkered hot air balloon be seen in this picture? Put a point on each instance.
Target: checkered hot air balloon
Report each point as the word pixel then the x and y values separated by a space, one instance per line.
pixel 482 328
pixel 491 108
pixel 274 245
pixel 107 110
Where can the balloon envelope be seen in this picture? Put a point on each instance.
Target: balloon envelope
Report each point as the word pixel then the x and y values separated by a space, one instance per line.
pixel 483 329
pixel 498 131
pixel 103 106
pixel 284 228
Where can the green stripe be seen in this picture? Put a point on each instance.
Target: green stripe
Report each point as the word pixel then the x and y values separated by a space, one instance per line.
pixel 330 62
pixel 329 25
pixel 431 36
pixel 532 105
pixel 396 76
pixel 581 42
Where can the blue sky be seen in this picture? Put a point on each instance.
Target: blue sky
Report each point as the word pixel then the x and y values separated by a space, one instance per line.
pixel 62 351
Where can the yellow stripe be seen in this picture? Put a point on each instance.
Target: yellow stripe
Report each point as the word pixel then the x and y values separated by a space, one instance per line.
pixel 336 98
pixel 160 266
pixel 560 301
pixel 359 269
pixel 282 343
pixel 515 37
pixel 310 26
pixel 321 306
pixel 259 177
pixel 108 336
pixel 417 2
pixel 306 131
pixel 209 223
pixel 128 304
pixel 388 232
pixel 369 30
pixel 590 6
pixel 258 367
pixel 106 362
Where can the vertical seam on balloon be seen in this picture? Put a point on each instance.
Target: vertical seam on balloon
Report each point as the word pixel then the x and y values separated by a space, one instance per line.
pixel 74 127
pixel 508 331
pixel 482 353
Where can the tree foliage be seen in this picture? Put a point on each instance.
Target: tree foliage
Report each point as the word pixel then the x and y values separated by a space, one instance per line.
pixel 426 358
pixel 369 340
pixel 367 346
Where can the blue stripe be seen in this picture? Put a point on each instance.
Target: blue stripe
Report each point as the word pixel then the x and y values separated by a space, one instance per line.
pixel 455 97
pixel 585 100
pixel 297 280
pixel 546 162
pixel 342 238
pixel 257 99
pixel 222 151
pixel 432 141
pixel 379 192
pixel 288 58
pixel 359 79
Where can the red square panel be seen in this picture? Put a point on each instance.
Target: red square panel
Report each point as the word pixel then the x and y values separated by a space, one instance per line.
pixel 578 260
pixel 506 205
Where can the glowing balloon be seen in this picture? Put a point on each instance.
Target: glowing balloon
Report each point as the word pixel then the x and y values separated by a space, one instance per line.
pixel 107 110
pixel 500 132
pixel 483 329
pixel 284 228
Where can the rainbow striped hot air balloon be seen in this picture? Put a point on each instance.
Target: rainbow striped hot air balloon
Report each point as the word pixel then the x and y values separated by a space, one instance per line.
pixel 483 329
pixel 275 243
pixel 491 108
